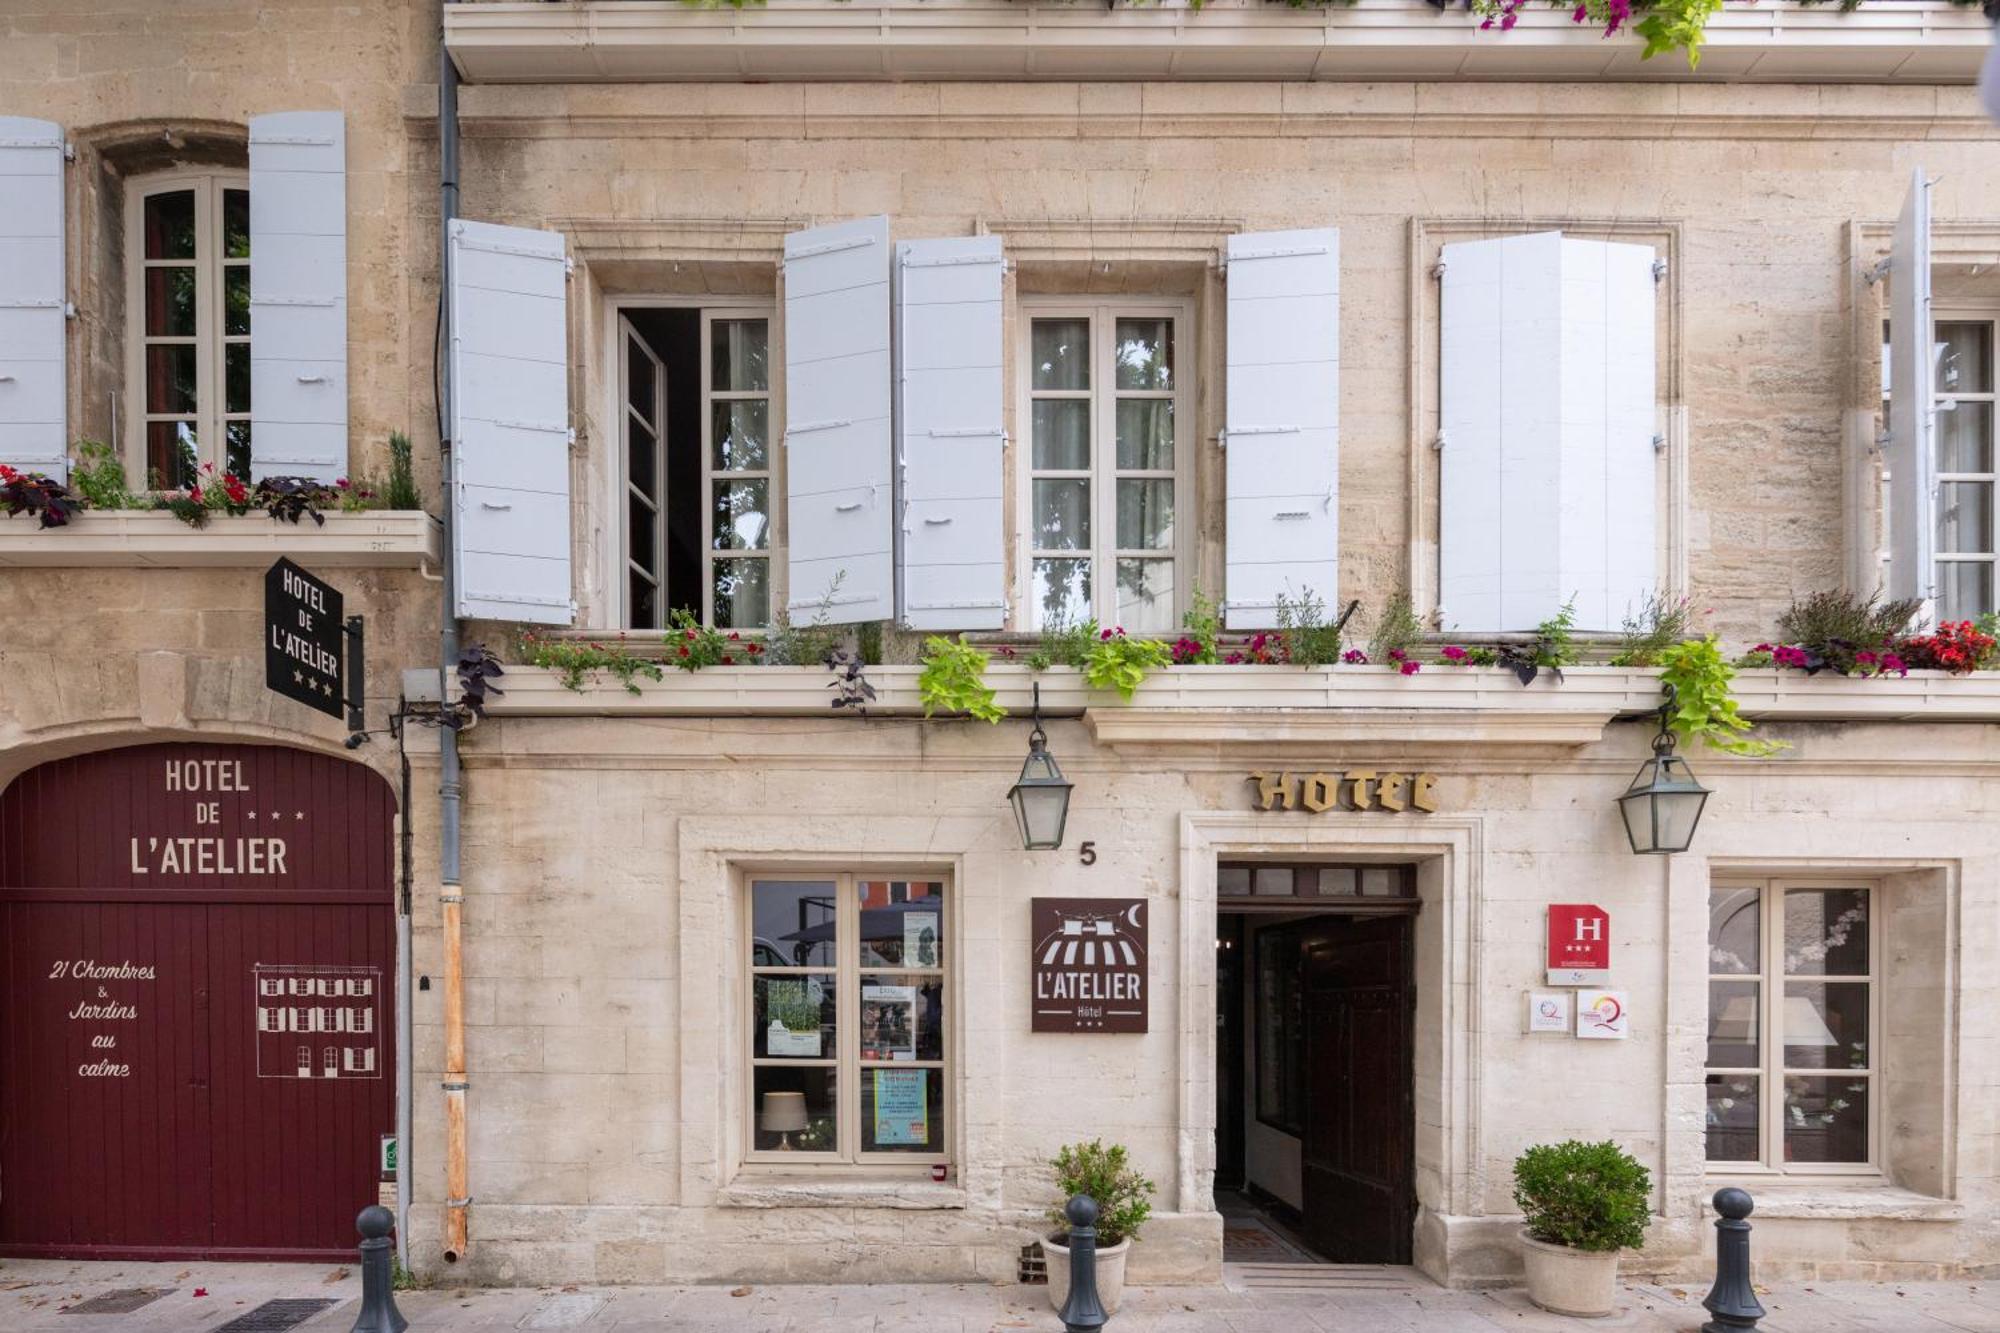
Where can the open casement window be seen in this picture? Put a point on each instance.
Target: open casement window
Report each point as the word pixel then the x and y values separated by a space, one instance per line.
pixel 1107 411
pixel 698 470
pixel 33 386
pixel 1547 420
pixel 509 426
pixel 187 265
pixel 1965 437
pixel 839 484
pixel 1282 437
pixel 849 1050
pixel 294 378
pixel 1794 1020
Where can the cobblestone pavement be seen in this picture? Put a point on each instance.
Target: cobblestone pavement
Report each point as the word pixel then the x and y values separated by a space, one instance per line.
pixel 37 1296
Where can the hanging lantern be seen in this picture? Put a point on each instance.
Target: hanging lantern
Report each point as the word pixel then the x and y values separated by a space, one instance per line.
pixel 1041 796
pixel 1664 802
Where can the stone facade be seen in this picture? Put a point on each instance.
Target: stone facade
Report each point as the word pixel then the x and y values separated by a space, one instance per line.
pixel 604 850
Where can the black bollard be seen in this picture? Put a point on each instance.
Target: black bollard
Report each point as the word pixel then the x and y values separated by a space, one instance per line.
pixel 1733 1301
pixel 1083 1311
pixel 378 1298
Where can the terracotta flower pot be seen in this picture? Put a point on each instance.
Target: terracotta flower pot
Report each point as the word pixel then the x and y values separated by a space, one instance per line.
pixel 1581 1283
pixel 1110 1272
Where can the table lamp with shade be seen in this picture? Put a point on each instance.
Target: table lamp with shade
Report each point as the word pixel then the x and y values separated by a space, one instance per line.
pixel 1804 1024
pixel 784 1114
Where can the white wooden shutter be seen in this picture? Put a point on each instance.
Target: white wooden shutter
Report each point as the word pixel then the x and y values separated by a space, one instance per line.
pixel 838 486
pixel 298 295
pixel 510 423
pixel 1989 79
pixel 952 573
pixel 1910 454
pixel 33 386
pixel 1282 434
pixel 1547 414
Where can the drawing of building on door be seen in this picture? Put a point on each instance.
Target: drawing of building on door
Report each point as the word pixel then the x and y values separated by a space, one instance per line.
pixel 317 1022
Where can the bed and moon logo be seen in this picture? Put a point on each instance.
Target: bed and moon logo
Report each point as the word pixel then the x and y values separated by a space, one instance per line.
pixel 1089 964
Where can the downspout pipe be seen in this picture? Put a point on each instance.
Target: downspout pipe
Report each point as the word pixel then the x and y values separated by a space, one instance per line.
pixel 458 1196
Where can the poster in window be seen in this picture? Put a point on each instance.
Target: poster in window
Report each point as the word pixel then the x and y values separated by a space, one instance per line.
pixel 920 939
pixel 902 1107
pixel 794 1007
pixel 888 1022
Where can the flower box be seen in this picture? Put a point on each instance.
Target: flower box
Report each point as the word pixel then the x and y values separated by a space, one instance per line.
pixel 1308 705
pixel 378 538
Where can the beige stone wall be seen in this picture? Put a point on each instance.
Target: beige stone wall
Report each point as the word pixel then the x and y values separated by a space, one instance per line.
pixel 121 78
pixel 1749 191
pixel 604 988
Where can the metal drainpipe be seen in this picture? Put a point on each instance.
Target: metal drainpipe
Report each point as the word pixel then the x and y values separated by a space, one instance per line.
pixel 405 1020
pixel 450 898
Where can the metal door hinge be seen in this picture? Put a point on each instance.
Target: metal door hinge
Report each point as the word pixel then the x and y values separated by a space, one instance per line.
pixel 1659 270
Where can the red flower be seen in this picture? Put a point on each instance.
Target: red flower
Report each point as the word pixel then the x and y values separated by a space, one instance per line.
pixel 684 651
pixel 1453 653
pixel 1411 668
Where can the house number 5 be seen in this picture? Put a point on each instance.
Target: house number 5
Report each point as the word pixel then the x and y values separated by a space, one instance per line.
pixel 1087 853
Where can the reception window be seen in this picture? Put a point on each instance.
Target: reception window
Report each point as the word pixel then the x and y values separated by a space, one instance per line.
pixel 1793 1001
pixel 848 1044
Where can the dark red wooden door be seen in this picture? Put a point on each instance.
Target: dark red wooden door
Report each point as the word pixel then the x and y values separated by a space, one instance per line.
pixel 1358 1149
pixel 196 1037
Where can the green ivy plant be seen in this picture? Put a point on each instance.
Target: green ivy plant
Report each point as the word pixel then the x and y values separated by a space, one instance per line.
pixel 1704 707
pixel 953 680
pixel 575 663
pixel 1116 662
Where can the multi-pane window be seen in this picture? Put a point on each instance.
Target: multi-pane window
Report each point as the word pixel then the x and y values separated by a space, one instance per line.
pixel 1967 437
pixel 736 471
pixel 1966 536
pixel 848 1043
pixel 698 466
pixel 1105 466
pixel 1792 1004
pixel 188 257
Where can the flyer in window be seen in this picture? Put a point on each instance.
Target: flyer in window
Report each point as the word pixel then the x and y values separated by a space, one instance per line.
pixel 794 1010
pixel 920 939
pixel 888 1022
pixel 902 1107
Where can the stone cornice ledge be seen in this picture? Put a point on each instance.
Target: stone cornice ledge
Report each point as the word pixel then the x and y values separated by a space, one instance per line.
pixel 594 41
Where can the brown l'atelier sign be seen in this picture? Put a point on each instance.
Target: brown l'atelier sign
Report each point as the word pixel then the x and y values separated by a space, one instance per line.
pixel 1089 964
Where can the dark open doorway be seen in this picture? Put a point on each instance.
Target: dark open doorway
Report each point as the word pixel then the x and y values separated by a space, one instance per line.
pixel 1315 1122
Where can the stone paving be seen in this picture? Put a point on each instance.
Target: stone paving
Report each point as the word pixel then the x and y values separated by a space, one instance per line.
pixel 36 1296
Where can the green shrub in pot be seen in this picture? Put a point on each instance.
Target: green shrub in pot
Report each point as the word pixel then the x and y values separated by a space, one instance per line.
pixel 1594 1197
pixel 1124 1197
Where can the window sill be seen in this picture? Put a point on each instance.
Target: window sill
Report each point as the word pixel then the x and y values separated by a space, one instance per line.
pixel 379 538
pixel 1829 1201
pixel 754 1189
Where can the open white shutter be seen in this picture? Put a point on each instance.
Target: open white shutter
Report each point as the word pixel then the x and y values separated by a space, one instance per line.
pixel 1547 414
pixel 1282 432
pixel 1910 454
pixel 839 491
pixel 298 295
pixel 510 423
pixel 33 387
pixel 952 569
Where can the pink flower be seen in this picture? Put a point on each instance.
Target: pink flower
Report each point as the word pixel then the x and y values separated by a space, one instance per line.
pixel 1453 653
pixel 1411 668
pixel 1354 657
pixel 1104 634
pixel 1891 662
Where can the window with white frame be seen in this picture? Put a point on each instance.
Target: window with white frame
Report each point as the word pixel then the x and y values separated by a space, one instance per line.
pixel 1107 465
pixel 188 306
pixel 1966 438
pixel 1793 1013
pixel 848 1047
pixel 698 466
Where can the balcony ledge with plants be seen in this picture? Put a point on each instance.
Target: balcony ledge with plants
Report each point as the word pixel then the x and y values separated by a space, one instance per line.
pixel 94 520
pixel 1836 657
pixel 583 41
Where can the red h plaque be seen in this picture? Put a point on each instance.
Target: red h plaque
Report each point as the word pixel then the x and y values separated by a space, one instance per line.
pixel 1579 945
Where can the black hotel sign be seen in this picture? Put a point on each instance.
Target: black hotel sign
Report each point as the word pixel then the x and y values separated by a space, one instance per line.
pixel 304 635
pixel 1089 965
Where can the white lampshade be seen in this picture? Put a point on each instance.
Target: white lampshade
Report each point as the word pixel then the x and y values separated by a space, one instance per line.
pixel 784 1113
pixel 1805 1025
